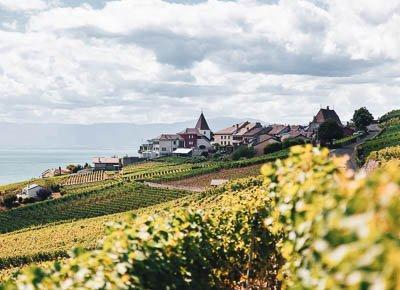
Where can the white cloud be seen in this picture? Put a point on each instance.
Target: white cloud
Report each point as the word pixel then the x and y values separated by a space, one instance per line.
pixel 154 61
pixel 23 5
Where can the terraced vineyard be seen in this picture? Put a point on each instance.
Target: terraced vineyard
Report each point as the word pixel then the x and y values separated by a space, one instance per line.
pixel 85 178
pixel 389 137
pixel 86 187
pixel 119 198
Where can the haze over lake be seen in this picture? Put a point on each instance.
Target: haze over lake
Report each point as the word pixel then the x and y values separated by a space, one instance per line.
pixel 22 163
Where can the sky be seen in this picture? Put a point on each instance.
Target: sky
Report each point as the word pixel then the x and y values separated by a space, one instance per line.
pixel 151 61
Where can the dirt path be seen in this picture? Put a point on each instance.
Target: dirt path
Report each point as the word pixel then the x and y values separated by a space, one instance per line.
pixel 176 187
pixel 350 150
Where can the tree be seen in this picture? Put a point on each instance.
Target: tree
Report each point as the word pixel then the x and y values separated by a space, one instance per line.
pixel 243 152
pixel 9 200
pixel 362 118
pixel 74 168
pixel 273 147
pixel 328 131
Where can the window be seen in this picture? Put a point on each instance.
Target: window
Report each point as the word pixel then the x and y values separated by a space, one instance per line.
pixel 202 147
pixel 163 149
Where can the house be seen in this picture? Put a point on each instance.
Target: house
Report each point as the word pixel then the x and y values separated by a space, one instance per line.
pixel 106 163
pixel 31 192
pixel 296 132
pixel 239 134
pixel 224 137
pixel 322 116
pixel 198 139
pixel 160 146
pixel 278 130
pixel 263 141
pixel 247 133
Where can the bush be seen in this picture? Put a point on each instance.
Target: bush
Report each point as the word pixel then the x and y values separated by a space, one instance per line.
pixel 9 200
pixel 271 148
pixel 243 152
pixel 293 142
pixel 43 194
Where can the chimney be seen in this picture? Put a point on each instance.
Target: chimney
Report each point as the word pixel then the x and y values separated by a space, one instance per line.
pixel 327 107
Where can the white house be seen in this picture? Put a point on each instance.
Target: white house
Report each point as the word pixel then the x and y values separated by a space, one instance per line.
pixel 30 191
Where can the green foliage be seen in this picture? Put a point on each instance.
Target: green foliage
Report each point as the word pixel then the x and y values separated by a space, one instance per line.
pixel 388 116
pixel 328 131
pixel 389 137
pixel 390 122
pixel 271 148
pixel 362 118
pixel 243 152
pixel 385 155
pixel 8 200
pixel 74 168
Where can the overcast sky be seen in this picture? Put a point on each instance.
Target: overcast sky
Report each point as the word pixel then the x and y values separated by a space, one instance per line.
pixel 142 61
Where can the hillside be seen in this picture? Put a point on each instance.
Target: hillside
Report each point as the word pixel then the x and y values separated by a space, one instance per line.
pixel 252 233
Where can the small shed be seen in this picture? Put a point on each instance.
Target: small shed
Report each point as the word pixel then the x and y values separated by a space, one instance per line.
pixel 218 182
pixel 185 152
pixel 106 163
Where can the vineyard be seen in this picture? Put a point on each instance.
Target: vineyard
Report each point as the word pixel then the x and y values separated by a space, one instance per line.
pixel 385 155
pixel 33 245
pixel 118 198
pixel 306 223
pixel 91 177
pixel 389 116
pixel 389 137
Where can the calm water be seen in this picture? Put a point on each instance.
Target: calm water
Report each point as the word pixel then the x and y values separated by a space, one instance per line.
pixel 21 164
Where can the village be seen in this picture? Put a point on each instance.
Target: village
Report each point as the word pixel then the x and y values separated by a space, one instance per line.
pixel 202 141
pixel 243 140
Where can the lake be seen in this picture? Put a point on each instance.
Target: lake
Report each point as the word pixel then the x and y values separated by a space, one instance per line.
pixel 18 164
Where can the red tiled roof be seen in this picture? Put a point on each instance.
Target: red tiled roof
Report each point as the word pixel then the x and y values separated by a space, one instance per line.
pixel 277 129
pixel 326 114
pixel 232 129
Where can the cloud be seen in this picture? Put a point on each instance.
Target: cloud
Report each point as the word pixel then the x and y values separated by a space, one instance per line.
pixel 23 5
pixel 154 61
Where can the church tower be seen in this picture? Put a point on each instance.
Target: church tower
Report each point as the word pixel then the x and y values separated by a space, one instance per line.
pixel 203 127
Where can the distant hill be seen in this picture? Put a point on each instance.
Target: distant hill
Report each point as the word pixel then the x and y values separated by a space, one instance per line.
pixel 107 135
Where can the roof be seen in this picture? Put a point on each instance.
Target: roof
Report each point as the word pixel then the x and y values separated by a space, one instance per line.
pixel 247 128
pixel 182 151
pixel 31 186
pixel 106 160
pixel 202 123
pixel 277 129
pixel 169 137
pixel 190 131
pixel 264 138
pixel 326 114
pixel 218 182
pixel 232 129
pixel 254 131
